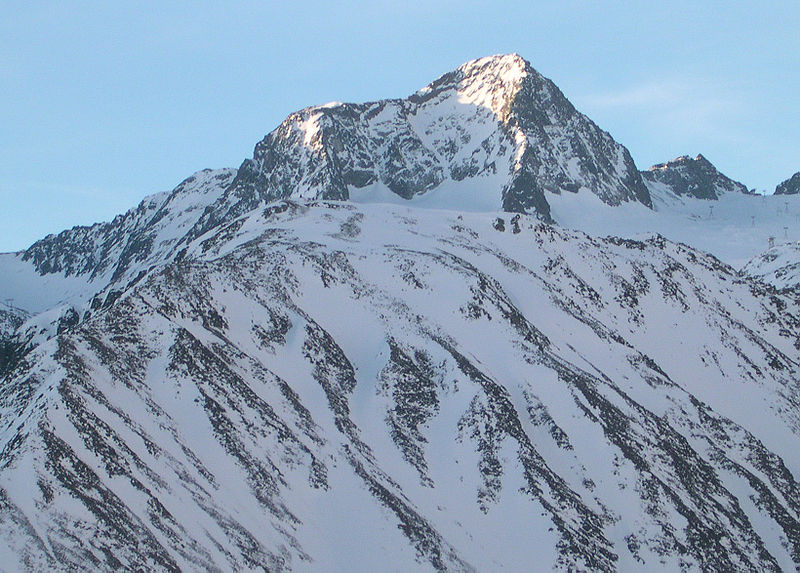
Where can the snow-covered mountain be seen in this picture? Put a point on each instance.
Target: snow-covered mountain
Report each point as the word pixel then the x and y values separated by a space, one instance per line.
pixel 778 266
pixel 74 265
pixel 493 134
pixel 789 187
pixel 567 403
pixel 251 373
pixel 693 177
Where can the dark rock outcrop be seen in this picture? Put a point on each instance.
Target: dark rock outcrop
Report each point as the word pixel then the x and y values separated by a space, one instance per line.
pixel 789 187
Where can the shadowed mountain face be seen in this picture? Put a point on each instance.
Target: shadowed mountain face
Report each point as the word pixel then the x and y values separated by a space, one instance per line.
pixel 789 187
pixel 11 319
pixel 298 392
pixel 693 177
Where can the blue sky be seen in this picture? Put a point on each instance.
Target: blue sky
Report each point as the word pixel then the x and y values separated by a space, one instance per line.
pixel 102 103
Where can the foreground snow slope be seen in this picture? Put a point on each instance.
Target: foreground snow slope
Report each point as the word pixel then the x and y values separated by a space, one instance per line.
pixel 332 386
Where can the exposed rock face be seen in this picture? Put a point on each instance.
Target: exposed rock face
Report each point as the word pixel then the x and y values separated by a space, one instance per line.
pixel 495 123
pixel 321 385
pixel 693 177
pixel 789 187
pixel 11 318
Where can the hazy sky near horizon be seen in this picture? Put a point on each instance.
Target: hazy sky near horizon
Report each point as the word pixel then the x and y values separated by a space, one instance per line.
pixel 102 103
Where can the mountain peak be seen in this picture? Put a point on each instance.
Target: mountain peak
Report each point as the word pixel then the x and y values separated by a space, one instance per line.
pixel 490 134
pixel 789 187
pixel 491 82
pixel 695 177
pixel 502 68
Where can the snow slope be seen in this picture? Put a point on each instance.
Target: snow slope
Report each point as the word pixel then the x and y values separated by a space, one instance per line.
pixel 735 228
pixel 779 266
pixel 330 386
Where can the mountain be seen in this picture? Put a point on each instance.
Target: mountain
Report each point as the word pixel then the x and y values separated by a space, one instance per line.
pixel 789 187
pixel 693 177
pixel 778 266
pixel 353 351
pixel 300 367
pixel 493 134
pixel 74 265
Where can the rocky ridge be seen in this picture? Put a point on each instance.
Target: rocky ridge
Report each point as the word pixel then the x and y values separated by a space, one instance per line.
pixel 789 187
pixel 79 263
pixel 693 177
